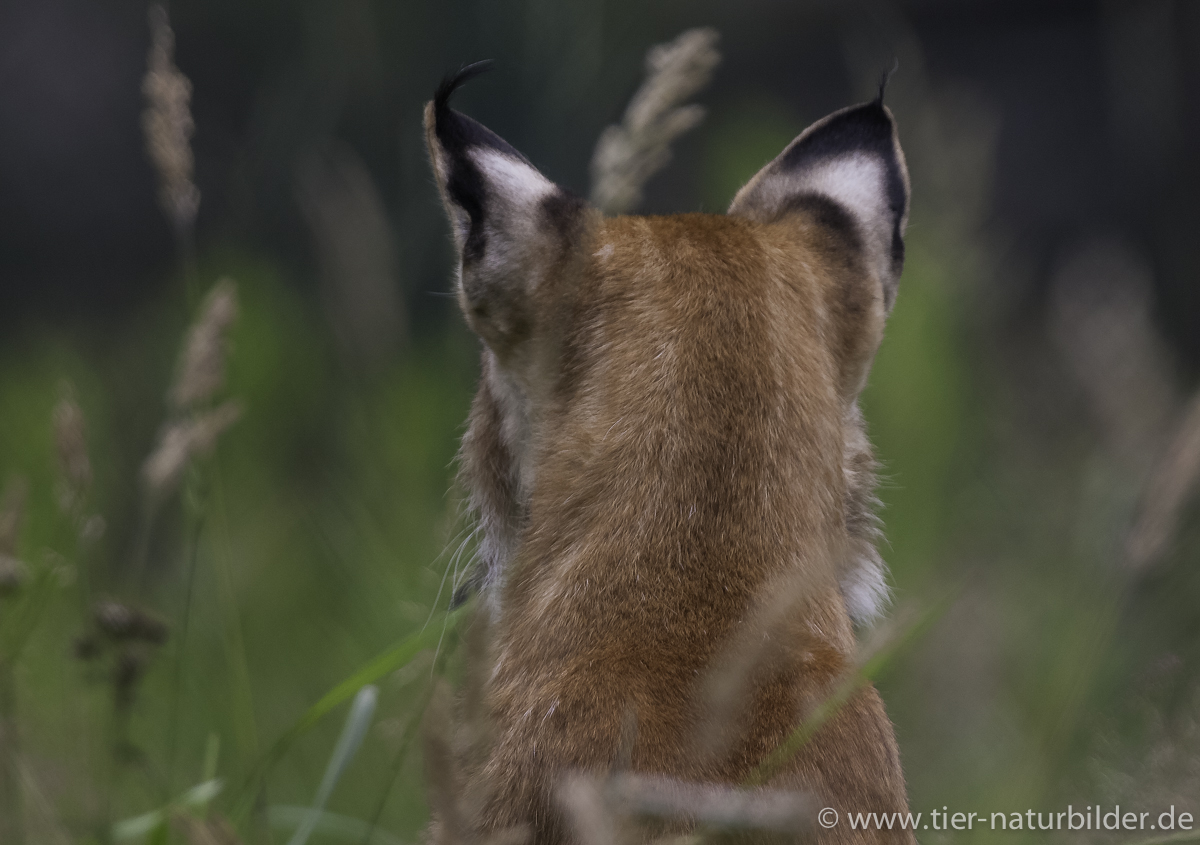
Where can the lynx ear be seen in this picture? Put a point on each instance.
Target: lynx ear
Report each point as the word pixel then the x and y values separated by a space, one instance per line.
pixel 853 159
pixel 510 223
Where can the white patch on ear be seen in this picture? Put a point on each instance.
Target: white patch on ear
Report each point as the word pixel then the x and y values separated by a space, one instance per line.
pixel 857 182
pixel 514 190
pixel 511 180
pixel 512 220
pixel 852 159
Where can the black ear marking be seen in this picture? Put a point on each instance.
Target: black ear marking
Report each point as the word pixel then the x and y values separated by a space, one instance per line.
pixel 511 225
pixel 885 78
pixel 456 133
pixel 864 130
pixel 861 129
pixel 852 158
pixel 826 212
pixel 562 211
pixel 453 81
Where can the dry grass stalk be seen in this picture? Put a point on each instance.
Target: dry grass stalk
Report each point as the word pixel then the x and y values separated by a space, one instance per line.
pixel 13 572
pixel 588 813
pixel 70 442
pixel 1103 326
pixel 11 812
pixel 723 696
pixel 709 804
pixel 13 575
pixel 12 514
pixel 511 836
pixel 1162 769
pixel 357 254
pixel 473 737
pixel 1167 491
pixel 183 440
pixel 120 622
pixel 192 432
pixel 627 155
pixel 74 464
pixel 168 126
pixel 871 654
pixel 202 361
pixel 440 770
pixel 600 810
pixel 211 831
pixel 42 820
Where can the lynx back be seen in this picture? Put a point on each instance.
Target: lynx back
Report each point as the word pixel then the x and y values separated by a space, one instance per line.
pixel 670 471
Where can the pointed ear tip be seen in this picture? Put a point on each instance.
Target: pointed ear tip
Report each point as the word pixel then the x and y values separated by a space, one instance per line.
pixel 885 78
pixel 438 109
pixel 882 108
pixel 451 82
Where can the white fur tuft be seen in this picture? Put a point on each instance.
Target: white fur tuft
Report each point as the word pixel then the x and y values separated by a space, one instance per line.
pixel 512 179
pixel 864 587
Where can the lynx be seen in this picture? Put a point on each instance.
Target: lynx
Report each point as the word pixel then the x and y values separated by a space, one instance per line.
pixel 666 458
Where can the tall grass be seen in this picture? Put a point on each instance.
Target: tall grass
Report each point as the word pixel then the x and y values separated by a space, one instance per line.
pixel 202 568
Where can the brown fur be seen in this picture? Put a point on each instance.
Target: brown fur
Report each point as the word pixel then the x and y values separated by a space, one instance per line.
pixel 687 455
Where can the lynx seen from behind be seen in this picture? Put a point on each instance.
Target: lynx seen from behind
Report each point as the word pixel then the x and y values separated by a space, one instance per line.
pixel 670 470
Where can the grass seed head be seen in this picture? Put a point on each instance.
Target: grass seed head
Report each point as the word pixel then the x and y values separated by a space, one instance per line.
pixel 119 621
pixel 12 513
pixel 70 443
pixel 201 370
pixel 183 440
pixel 167 124
pixel 13 572
pixel 13 575
pixel 627 155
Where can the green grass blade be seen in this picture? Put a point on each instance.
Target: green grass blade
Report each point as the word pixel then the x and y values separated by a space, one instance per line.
pixel 374 670
pixel 202 794
pixel 331 825
pixel 357 722
pixel 139 826
pixel 870 668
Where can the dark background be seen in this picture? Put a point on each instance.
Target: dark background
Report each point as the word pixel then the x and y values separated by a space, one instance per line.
pixel 1097 105
pixel 1033 404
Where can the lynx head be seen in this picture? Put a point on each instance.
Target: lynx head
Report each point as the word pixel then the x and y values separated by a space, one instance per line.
pixel 682 383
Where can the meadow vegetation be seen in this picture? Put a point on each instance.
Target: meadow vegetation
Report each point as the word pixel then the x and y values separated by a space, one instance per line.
pixel 227 546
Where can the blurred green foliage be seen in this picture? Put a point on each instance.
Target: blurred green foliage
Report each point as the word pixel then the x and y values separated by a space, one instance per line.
pixel 320 532
pixel 321 526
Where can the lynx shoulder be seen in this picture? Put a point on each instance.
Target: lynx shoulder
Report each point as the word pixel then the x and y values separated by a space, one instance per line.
pixel 666 459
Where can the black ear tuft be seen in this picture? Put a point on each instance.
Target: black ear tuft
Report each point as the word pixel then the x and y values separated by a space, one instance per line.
pixel 853 159
pixel 456 131
pixel 510 223
pixel 451 82
pixel 884 78
pixel 864 130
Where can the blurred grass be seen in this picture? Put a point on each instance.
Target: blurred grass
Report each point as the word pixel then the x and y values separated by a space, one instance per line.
pixel 324 517
pixel 327 504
